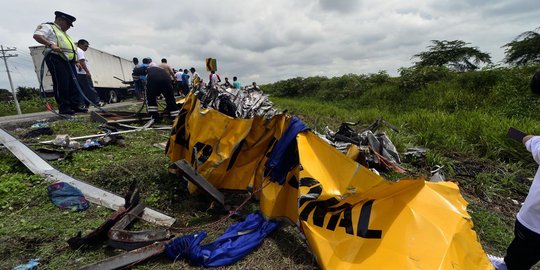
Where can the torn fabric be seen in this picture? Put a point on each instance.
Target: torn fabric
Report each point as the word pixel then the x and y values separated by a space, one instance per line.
pixel 239 240
pixel 66 196
pixel 284 156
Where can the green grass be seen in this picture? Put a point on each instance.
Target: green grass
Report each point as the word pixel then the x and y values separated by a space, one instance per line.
pixel 32 105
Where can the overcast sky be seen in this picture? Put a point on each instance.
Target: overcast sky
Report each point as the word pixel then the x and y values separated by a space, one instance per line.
pixel 267 41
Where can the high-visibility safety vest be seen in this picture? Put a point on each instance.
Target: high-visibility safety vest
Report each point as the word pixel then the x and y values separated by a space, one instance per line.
pixel 65 43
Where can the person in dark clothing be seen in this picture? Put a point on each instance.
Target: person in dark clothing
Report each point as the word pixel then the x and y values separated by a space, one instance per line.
pixel 184 84
pixel 227 83
pixel 137 82
pixel 159 82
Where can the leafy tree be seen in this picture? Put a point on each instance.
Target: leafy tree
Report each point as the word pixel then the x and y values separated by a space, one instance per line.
pixel 26 93
pixel 524 48
pixel 453 54
pixel 5 95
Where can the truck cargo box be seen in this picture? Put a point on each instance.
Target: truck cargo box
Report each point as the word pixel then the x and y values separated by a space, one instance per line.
pixel 111 74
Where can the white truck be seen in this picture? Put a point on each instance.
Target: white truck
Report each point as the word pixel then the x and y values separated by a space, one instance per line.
pixel 111 74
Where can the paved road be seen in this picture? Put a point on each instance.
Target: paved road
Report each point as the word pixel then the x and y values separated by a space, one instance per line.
pixel 14 121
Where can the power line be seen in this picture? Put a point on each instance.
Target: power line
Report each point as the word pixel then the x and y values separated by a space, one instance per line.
pixel 23 63
pixel 26 58
pixel 20 73
pixel 5 57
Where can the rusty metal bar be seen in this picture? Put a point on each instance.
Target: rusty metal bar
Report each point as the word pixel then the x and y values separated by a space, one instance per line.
pixel 128 259
pixel 99 235
pixel 129 240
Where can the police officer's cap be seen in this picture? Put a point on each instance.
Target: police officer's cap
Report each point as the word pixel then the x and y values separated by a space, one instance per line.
pixel 70 19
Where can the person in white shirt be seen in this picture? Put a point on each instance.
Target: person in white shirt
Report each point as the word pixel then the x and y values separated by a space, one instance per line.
pixel 84 77
pixel 213 79
pixel 178 81
pixel 524 251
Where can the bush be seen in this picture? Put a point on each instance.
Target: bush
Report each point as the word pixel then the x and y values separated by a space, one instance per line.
pixel 414 78
pixel 27 93
pixel 5 95
pixel 479 81
pixel 289 88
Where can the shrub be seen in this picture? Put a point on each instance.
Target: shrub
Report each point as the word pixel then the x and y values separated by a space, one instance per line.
pixel 27 93
pixel 414 78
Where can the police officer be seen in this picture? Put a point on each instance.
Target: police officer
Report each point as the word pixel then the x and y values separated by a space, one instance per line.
pixel 61 61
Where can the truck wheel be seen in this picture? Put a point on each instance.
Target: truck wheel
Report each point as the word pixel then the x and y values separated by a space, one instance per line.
pixel 112 96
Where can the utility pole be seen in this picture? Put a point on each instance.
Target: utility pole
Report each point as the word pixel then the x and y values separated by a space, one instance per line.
pixel 4 56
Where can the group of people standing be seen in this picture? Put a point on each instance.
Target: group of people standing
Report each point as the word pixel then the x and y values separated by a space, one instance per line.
pixel 67 63
pixel 182 81
pixel 153 80
pixel 72 79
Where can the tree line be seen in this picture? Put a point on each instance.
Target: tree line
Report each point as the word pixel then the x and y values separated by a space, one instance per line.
pixel 23 93
pixel 443 61
pixel 458 55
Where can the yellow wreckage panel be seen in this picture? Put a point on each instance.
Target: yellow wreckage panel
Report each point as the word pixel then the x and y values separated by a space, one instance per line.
pixel 351 217
pixel 411 224
pixel 226 151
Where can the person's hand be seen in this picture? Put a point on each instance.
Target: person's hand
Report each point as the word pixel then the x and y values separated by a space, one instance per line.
pixel 55 48
pixel 526 138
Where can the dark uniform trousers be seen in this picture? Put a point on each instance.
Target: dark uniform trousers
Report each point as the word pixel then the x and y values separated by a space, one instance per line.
pixel 65 90
pixel 160 83
pixel 524 251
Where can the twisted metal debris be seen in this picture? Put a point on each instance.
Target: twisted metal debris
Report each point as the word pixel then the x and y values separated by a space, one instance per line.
pixel 243 103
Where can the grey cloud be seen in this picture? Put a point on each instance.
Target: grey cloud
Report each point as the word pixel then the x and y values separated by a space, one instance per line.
pixel 339 6
pixel 272 40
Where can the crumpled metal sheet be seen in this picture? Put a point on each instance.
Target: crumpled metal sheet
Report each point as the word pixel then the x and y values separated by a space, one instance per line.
pixel 131 199
pixel 383 152
pixel 248 102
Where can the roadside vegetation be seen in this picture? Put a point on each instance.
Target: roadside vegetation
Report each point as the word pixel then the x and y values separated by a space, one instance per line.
pixel 29 101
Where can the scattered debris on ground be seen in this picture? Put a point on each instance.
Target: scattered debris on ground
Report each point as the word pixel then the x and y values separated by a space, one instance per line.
pixel 332 197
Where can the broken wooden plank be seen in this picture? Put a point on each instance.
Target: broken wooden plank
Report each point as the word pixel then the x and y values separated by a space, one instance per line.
pixel 93 194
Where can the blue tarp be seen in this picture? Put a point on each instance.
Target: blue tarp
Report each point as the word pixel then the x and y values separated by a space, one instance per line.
pixel 237 241
pixel 284 156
